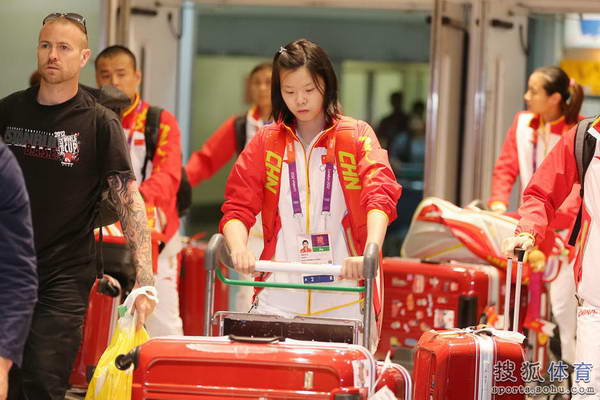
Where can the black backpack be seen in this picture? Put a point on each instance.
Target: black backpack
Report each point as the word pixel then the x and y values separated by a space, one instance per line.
pixel 239 125
pixel 585 147
pixel 184 192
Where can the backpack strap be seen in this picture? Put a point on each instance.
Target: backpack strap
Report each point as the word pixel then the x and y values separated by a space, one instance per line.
pixel 585 145
pixel 151 135
pixel 239 125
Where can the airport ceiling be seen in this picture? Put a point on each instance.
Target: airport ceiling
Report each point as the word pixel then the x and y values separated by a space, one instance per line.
pixel 559 6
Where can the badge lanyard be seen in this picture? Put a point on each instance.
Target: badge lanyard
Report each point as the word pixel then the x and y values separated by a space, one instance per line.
pixel 138 109
pixel 293 177
pixel 535 145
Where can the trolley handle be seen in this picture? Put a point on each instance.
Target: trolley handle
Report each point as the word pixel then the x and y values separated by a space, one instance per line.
pixel 275 266
pixel 218 251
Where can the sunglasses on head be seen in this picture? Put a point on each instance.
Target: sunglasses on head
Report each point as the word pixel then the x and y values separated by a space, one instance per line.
pixel 79 19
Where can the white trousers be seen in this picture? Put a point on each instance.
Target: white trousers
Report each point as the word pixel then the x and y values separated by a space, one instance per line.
pixel 587 352
pixel 564 308
pixel 165 319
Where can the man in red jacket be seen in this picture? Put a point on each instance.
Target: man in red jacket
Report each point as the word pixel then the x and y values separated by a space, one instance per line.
pixel 158 179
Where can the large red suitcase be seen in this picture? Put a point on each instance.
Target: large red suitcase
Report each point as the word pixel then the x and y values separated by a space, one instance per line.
pixel 192 289
pixel 219 367
pixel 471 364
pixel 424 295
pixel 464 366
pixel 98 326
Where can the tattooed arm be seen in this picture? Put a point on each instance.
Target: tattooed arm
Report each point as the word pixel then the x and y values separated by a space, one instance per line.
pixel 124 195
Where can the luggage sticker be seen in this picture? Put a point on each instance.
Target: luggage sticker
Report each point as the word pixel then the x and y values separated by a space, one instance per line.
pixel 396 306
pixel 361 372
pixel 418 285
pixel 397 282
pixel 443 319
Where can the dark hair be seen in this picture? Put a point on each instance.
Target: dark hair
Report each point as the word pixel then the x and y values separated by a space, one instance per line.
pixel 260 67
pixel 557 81
pixel 35 78
pixel 114 50
pixel 304 53
pixel 257 68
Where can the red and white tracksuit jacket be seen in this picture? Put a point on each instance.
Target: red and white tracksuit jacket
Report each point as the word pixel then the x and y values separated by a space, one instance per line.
pixel 547 190
pixel 259 182
pixel 163 174
pixel 220 148
pixel 526 146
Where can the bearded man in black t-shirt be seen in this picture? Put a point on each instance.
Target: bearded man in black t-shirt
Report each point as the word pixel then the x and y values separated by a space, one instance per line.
pixel 69 150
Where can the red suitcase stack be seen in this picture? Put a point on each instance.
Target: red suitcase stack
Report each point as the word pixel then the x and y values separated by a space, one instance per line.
pixel 421 295
pixel 471 364
pixel 192 289
pixel 98 326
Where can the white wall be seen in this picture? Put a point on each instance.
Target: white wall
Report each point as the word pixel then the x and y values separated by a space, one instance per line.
pixel 20 23
pixel 160 45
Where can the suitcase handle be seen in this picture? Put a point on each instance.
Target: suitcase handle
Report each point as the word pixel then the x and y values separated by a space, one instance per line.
pixel 217 252
pixel 260 340
pixel 109 287
pixel 520 255
pixel 124 361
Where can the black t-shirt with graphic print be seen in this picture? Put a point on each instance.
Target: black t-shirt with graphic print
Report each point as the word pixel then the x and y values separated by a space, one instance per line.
pixel 66 151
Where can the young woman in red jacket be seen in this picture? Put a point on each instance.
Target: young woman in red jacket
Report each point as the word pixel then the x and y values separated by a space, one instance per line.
pixel 287 173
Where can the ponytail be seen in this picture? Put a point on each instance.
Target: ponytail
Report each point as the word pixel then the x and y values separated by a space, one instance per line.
pixel 572 105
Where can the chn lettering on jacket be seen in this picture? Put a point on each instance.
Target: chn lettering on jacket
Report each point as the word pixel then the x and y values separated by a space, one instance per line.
pixel 273 162
pixel 349 170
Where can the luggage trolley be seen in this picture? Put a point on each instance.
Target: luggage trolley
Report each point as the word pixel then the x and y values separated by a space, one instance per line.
pixel 268 363
pixel 301 328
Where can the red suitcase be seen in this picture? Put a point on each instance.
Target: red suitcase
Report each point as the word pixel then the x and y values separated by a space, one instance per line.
pixel 98 326
pixel 192 289
pixel 219 367
pixel 421 295
pixel 470 364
